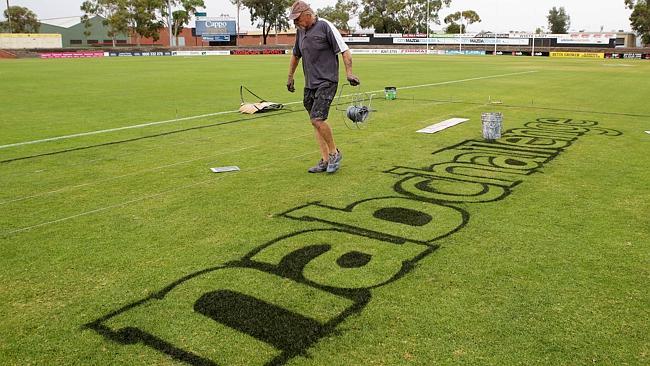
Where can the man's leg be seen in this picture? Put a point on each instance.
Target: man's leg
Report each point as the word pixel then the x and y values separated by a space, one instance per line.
pixel 318 108
pixel 324 137
pixel 324 150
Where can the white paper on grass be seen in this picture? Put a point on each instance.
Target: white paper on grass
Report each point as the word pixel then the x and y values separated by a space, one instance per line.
pixel 223 169
pixel 442 125
pixel 647 132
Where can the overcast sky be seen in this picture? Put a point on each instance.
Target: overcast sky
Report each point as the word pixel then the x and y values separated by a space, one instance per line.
pixel 496 15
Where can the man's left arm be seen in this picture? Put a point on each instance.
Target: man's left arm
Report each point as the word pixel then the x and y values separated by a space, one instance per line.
pixel 339 46
pixel 347 61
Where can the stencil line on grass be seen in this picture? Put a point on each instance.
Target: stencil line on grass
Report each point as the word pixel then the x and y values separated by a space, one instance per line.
pixel 532 106
pixel 141 125
pixel 90 183
pixel 143 198
pixel 261 167
pixel 109 143
pixel 116 129
pixel 86 184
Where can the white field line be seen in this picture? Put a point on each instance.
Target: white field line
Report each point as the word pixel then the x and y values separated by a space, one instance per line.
pixel 466 80
pixel 80 185
pixel 115 129
pixel 172 190
pixel 86 184
pixel 208 140
pixel 154 195
pixel 235 111
pixel 98 181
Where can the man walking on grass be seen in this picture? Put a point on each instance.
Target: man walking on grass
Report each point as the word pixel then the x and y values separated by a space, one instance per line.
pixel 318 43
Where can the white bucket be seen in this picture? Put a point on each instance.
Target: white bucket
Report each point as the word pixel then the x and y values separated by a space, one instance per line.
pixel 492 125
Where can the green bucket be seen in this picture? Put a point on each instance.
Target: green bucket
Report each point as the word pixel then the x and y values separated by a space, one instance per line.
pixel 390 92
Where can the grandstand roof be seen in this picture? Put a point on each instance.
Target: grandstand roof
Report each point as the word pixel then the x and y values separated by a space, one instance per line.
pixel 64 22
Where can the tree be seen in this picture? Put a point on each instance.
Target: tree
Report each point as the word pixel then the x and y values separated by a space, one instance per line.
pixel 180 18
pixel 400 16
pixel 143 17
pixel 412 15
pixel 454 28
pixel 269 14
pixel 558 21
pixel 469 17
pixel 144 22
pixel 115 13
pixel 380 15
pixel 640 18
pixel 22 20
pixel 339 14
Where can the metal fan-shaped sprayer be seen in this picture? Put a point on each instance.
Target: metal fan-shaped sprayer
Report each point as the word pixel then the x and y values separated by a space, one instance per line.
pixel 357 112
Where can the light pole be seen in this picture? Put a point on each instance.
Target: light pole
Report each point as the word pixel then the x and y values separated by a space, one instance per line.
pixel 169 20
pixel 460 35
pixel 533 50
pixel 9 18
pixel 532 53
pixel 237 39
pixel 495 31
pixel 427 26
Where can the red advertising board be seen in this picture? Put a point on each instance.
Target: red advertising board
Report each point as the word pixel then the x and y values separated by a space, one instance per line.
pixel 257 52
pixel 89 54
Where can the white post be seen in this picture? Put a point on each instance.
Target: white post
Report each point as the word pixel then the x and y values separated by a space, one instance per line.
pixel 169 21
pixel 533 52
pixel 9 18
pixel 495 31
pixel 238 7
pixel 427 26
pixel 460 35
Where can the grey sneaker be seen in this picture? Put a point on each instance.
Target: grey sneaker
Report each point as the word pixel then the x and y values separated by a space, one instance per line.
pixel 320 167
pixel 334 161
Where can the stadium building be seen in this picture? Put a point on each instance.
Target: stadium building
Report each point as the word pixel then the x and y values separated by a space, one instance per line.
pixel 223 32
pixel 73 32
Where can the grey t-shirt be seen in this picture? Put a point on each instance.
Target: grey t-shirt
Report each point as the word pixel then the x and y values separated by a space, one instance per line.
pixel 318 47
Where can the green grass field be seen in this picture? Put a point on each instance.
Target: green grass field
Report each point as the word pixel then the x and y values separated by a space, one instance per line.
pixel 122 247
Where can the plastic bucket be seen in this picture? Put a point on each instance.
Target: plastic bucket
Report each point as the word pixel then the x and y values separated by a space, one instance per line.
pixel 492 123
pixel 390 92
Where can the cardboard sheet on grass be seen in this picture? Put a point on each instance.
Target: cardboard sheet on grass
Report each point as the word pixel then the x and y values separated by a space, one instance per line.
pixel 223 169
pixel 443 125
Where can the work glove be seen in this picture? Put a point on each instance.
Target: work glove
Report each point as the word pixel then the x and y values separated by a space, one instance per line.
pixel 290 84
pixel 354 81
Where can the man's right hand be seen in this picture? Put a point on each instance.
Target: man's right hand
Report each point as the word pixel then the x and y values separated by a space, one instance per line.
pixel 290 84
pixel 353 80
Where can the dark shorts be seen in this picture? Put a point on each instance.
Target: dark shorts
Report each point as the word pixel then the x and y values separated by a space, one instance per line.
pixel 317 101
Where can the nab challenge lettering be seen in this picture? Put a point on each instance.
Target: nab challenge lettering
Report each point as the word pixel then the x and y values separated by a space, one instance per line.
pixel 321 277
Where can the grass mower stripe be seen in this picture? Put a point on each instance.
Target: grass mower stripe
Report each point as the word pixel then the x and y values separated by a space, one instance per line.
pixel 235 111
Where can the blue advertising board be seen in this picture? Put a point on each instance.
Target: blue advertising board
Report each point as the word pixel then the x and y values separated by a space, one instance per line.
pixel 137 53
pixel 216 38
pixel 207 26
